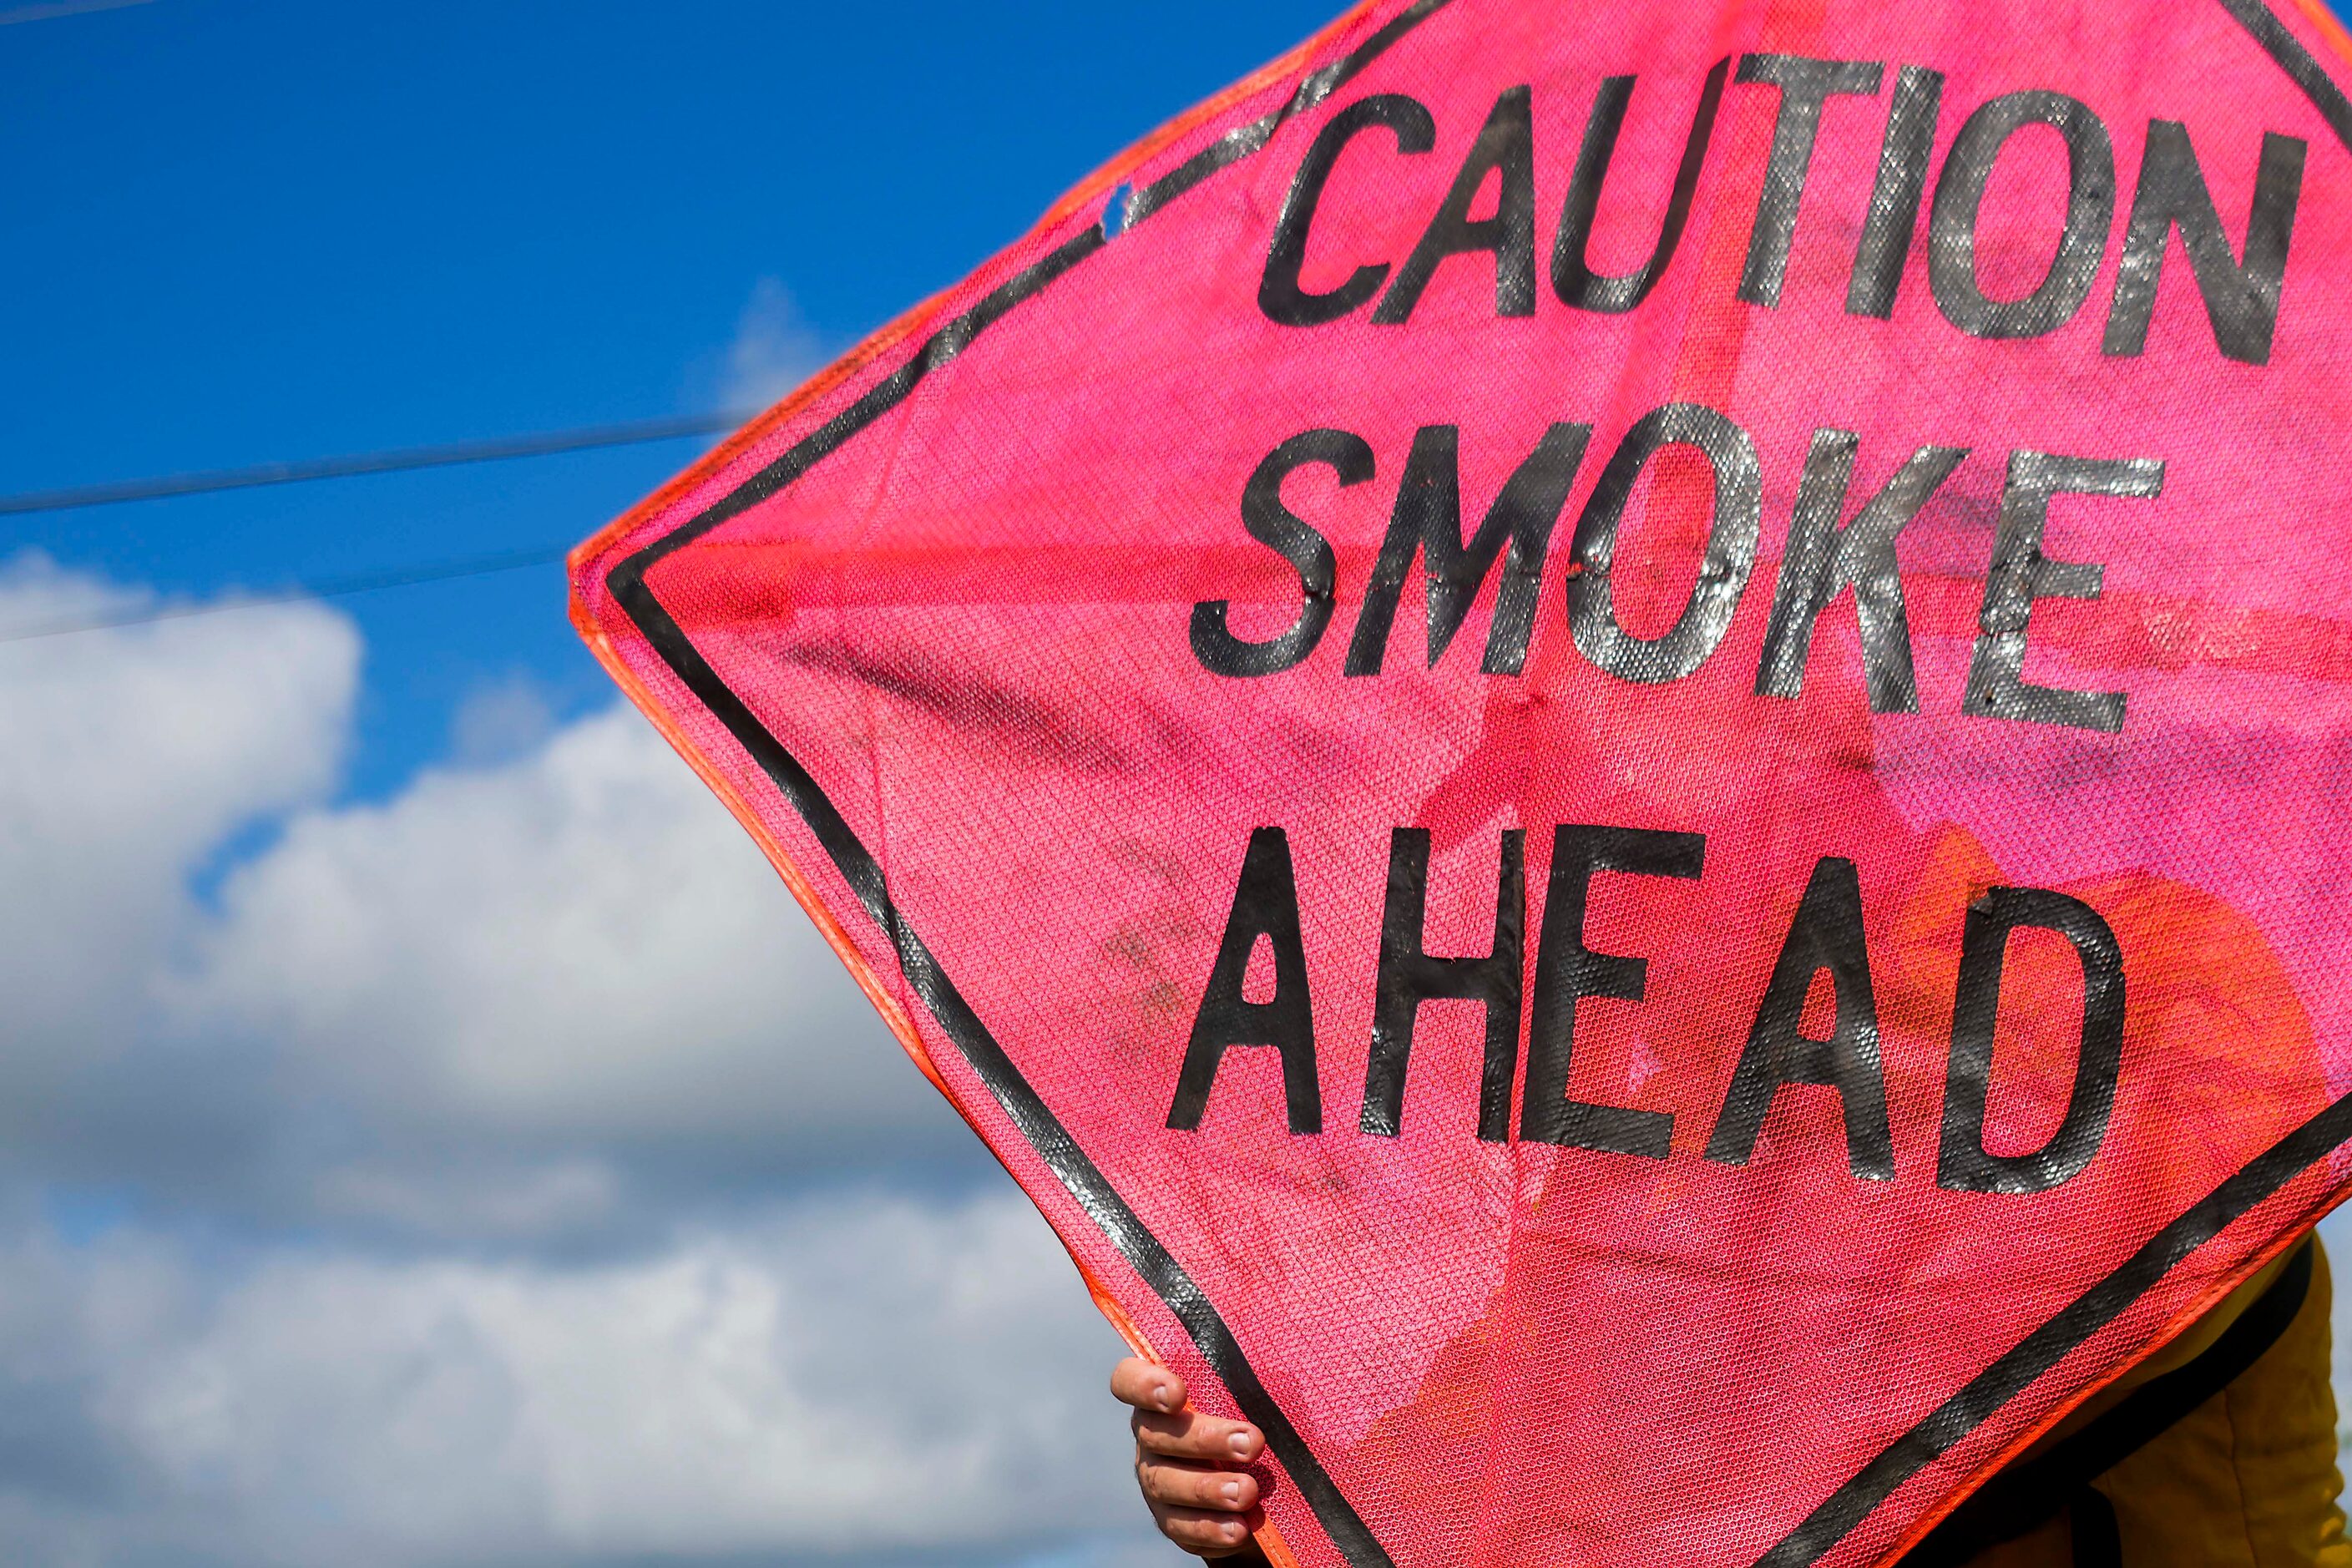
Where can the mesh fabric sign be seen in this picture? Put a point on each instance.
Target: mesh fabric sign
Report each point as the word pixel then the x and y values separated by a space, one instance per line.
pixel 1609 741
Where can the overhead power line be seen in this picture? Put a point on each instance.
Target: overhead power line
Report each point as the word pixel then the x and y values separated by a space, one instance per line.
pixel 451 453
pixel 496 449
pixel 57 8
pixel 322 588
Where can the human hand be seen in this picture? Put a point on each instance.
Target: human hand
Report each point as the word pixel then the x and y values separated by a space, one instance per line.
pixel 1189 1465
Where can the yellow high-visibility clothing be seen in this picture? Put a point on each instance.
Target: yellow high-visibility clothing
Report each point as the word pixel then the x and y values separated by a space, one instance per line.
pixel 2218 1452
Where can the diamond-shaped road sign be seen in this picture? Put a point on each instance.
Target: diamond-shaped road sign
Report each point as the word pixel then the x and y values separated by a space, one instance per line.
pixel 1609 740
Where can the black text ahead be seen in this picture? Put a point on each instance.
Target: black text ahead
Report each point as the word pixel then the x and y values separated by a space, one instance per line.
pixel 1826 935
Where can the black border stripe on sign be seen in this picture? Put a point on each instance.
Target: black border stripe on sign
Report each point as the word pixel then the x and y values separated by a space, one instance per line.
pixel 2287 52
pixel 1837 1515
pixel 2103 1302
pixel 1020 1101
pixel 2046 1346
pixel 2029 1492
pixel 1027 1111
pixel 1244 140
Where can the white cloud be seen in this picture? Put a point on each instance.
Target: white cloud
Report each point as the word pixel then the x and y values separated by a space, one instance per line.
pixel 505 995
pixel 849 1377
pixel 577 944
pixel 773 351
pixel 500 721
pixel 411 1193
pixel 2336 1235
pixel 131 754
pixel 488 1009
pixel 451 1028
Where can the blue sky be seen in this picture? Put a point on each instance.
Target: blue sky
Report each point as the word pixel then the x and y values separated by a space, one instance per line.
pixel 242 232
pixel 358 1139
pixel 389 1173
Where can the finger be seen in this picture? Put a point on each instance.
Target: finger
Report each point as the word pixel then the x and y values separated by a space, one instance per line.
pixel 1146 1385
pixel 1208 1534
pixel 1191 1436
pixel 1180 1484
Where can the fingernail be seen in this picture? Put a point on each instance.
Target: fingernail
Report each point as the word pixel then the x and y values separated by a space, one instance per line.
pixel 1240 1444
pixel 1232 1492
pixel 1230 1532
pixel 1159 1397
